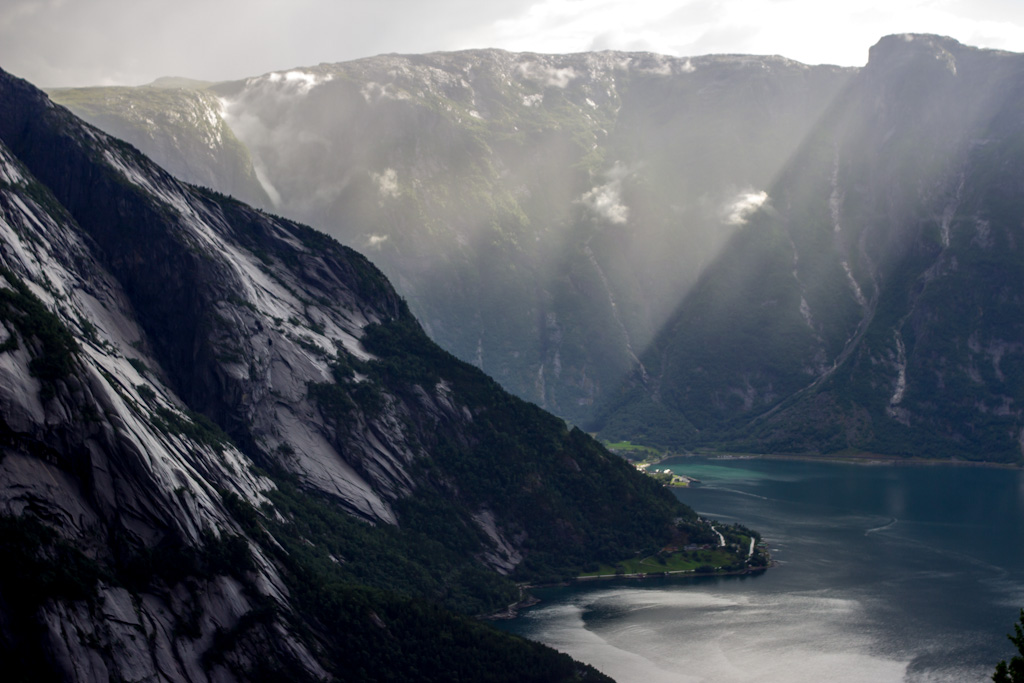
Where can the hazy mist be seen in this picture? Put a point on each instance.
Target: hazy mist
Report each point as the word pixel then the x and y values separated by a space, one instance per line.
pixel 57 43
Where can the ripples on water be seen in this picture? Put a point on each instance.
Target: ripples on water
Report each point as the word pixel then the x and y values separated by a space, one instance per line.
pixel 683 636
pixel 885 574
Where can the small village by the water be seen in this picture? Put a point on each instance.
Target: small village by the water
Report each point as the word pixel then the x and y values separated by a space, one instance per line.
pixel 647 460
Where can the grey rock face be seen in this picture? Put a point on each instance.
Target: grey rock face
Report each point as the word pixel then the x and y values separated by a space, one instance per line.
pixel 875 305
pixel 179 123
pixel 543 214
pixel 224 440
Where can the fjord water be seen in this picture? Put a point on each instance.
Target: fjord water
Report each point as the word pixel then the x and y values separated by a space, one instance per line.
pixel 885 573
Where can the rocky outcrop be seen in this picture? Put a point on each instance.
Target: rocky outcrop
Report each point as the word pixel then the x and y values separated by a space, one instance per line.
pixel 874 304
pixel 594 230
pixel 543 214
pixel 178 122
pixel 228 451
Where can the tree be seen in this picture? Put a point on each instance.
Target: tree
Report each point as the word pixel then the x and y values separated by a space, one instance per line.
pixel 1014 672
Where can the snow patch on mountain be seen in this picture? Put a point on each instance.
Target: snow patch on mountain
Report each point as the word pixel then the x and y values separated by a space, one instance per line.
pixel 534 100
pixel 547 75
pixel 299 82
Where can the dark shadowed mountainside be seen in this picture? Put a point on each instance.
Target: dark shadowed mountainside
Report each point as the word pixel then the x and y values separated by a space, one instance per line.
pixel 719 252
pixel 877 303
pixel 229 452
pixel 542 214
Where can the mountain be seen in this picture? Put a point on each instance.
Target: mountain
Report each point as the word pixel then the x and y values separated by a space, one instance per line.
pixel 719 252
pixel 542 214
pixel 229 452
pixel 875 303
pixel 178 122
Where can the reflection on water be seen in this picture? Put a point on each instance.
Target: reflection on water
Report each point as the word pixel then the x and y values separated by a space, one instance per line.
pixel 696 635
pixel 884 574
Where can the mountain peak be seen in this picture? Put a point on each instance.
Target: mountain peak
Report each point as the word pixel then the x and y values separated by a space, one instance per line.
pixel 899 47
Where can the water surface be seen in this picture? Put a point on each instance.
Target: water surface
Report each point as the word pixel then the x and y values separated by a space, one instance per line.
pixel 885 573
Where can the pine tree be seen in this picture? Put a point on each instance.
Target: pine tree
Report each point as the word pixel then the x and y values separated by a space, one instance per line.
pixel 1014 671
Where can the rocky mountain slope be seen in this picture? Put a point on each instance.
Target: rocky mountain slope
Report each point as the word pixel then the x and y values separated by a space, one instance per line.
pixel 542 214
pixel 230 453
pixel 721 251
pixel 178 122
pixel 876 303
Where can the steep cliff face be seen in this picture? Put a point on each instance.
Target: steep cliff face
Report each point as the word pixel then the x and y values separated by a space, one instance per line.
pixel 719 250
pixel 228 451
pixel 97 445
pixel 875 304
pixel 543 214
pixel 178 122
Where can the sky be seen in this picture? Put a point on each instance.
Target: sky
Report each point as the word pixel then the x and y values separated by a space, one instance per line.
pixel 130 42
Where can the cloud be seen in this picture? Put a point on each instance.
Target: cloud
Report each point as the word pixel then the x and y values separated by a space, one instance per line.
pixel 374 92
pixel 375 241
pixel 562 26
pixel 843 31
pixel 387 183
pixel 79 42
pixel 127 42
pixel 15 11
pixel 547 75
pixel 605 201
pixel 743 206
pixel 293 82
pixel 303 81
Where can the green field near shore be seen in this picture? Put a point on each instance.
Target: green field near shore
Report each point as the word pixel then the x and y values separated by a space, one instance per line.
pixel 675 562
pixel 634 449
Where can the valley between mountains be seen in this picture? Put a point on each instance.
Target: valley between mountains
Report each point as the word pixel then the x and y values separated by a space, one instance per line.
pixel 723 252
pixel 229 452
pixel 231 449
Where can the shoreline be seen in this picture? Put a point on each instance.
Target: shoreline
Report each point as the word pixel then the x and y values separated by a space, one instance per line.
pixel 661 575
pixel 866 459
pixel 512 611
pixel 529 600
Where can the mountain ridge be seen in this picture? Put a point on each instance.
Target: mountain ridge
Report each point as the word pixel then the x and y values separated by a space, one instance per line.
pixel 519 197
pixel 225 437
pixel 550 219
pixel 879 214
